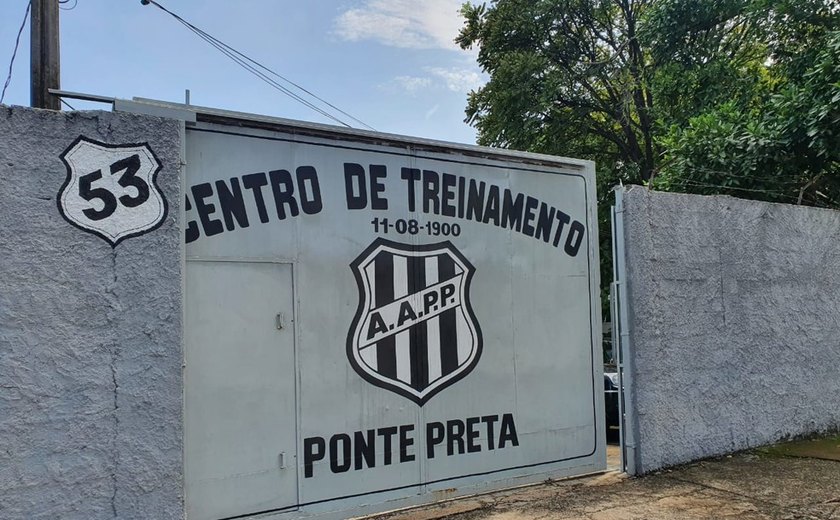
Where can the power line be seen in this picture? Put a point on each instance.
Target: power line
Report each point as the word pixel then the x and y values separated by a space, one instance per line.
pixel 290 82
pixel 62 2
pixel 14 53
pixel 229 52
pixel 253 67
pixel 265 78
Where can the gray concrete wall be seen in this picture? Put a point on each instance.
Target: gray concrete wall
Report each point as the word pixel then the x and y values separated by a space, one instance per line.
pixel 734 323
pixel 90 335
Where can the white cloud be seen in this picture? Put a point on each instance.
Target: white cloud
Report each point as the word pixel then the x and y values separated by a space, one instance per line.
pixel 412 84
pixel 428 24
pixel 458 79
pixel 455 79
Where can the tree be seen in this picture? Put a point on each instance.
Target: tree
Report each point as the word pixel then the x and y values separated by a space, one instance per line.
pixel 705 96
pixel 782 143
pixel 565 76
pixel 580 77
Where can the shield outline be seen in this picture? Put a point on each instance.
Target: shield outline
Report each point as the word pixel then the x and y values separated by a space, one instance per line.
pixel 397 386
pixel 153 185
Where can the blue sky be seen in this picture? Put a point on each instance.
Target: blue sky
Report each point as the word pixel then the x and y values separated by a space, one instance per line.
pixel 390 63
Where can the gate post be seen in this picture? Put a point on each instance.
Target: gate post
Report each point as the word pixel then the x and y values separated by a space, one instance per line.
pixel 623 347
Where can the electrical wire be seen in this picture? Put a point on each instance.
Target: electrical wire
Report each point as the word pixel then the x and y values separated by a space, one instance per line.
pixel 14 53
pixel 68 104
pixel 75 3
pixel 254 67
pixel 749 176
pixel 269 81
pixel 290 82
pixel 230 54
pixel 828 203
pixel 735 188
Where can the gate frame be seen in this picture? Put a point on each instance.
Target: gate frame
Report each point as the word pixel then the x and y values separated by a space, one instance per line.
pixel 622 346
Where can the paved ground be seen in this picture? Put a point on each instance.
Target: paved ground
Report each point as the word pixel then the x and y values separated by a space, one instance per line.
pixel 784 482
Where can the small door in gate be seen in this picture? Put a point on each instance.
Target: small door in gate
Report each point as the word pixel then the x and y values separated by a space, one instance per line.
pixel 239 417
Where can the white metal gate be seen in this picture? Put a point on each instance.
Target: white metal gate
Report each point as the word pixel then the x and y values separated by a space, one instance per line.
pixel 375 321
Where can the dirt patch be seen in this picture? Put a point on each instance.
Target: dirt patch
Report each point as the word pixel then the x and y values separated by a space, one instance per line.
pixel 780 484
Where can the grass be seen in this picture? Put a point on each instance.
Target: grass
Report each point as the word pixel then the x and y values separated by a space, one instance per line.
pixel 818 448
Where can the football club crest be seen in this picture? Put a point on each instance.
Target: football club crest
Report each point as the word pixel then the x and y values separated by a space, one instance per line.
pixel 414 332
pixel 110 190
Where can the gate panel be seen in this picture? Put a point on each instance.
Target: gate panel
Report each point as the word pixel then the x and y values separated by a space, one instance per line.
pixel 239 389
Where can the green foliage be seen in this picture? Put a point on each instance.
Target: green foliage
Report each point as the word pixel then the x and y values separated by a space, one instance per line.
pixel 704 96
pixel 705 54
pixel 564 75
pixel 785 150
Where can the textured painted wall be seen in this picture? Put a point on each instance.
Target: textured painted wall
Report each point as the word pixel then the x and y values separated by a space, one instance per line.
pixel 735 323
pixel 90 336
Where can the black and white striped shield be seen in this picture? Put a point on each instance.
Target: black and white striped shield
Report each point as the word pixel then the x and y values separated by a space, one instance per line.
pixel 414 332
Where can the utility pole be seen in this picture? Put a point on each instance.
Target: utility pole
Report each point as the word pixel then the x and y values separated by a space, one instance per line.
pixel 44 54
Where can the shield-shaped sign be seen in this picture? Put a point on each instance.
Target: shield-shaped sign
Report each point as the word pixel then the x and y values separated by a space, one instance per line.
pixel 414 332
pixel 110 190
